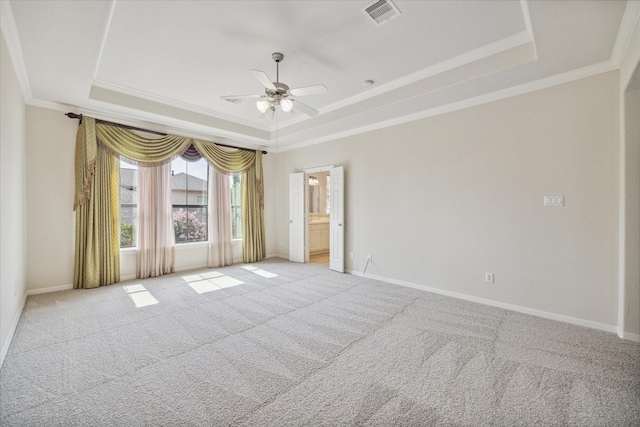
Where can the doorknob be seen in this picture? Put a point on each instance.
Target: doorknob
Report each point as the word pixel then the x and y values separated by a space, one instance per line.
pixel 290 221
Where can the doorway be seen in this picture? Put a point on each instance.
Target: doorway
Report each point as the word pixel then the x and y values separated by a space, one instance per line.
pixel 316 216
pixel 319 216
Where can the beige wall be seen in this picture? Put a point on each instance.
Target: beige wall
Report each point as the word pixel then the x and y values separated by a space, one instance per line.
pixel 12 195
pixel 441 201
pixel 271 197
pixel 632 212
pixel 630 189
pixel 50 191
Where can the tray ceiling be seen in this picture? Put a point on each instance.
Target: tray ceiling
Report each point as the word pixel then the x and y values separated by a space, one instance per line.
pixel 166 63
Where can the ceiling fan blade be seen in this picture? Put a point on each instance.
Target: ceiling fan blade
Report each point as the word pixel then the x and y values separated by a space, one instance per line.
pixel 305 108
pixel 309 90
pixel 264 79
pixel 237 99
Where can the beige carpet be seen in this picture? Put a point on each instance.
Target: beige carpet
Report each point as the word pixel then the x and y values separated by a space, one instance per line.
pixel 287 344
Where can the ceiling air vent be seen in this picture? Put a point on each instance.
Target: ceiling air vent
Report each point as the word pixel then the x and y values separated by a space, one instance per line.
pixel 381 11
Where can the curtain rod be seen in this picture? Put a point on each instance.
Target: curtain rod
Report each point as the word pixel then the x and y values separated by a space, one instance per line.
pixel 79 117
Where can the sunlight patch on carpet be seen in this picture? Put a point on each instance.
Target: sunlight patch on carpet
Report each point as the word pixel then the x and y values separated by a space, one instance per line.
pixel 225 281
pixel 260 272
pixel 140 295
pixel 210 281
pixel 203 286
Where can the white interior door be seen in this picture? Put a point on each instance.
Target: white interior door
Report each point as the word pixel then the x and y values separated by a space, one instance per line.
pixel 296 217
pixel 336 238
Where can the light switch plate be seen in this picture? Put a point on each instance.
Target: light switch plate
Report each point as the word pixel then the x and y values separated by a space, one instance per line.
pixel 554 201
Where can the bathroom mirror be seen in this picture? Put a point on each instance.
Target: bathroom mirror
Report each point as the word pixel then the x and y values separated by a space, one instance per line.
pixel 314 195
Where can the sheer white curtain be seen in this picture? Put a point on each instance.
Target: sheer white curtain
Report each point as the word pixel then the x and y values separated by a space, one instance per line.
pixel 156 238
pixel 219 208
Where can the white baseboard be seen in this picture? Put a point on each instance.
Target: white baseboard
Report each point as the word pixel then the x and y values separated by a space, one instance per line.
pixel 499 304
pixel 47 290
pixel 12 330
pixel 273 256
pixel 630 336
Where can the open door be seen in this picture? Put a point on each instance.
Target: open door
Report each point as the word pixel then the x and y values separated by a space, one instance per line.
pixel 336 238
pixel 296 217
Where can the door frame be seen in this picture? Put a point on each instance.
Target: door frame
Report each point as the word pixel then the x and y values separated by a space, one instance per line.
pixel 307 172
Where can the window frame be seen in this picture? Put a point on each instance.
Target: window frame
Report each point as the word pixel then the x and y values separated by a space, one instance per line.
pixel 202 207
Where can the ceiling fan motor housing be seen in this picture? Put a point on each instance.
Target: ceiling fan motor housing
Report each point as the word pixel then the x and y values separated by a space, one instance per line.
pixel 281 92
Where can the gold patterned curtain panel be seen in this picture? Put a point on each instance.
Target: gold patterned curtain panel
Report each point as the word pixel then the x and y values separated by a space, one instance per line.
pixel 97 258
pixel 253 243
pixel 97 243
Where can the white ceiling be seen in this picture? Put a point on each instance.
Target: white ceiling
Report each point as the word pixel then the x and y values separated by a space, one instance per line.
pixel 165 64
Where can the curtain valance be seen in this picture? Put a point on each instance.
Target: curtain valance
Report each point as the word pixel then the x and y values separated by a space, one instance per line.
pixel 142 151
pixel 145 152
pixel 223 160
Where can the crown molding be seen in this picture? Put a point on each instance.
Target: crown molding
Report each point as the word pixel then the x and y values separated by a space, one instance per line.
pixel 10 31
pixel 107 27
pixel 159 124
pixel 544 83
pixel 524 5
pixel 114 87
pixel 630 19
pixel 478 54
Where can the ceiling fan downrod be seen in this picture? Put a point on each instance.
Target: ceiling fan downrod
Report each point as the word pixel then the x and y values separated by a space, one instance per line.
pixel 277 56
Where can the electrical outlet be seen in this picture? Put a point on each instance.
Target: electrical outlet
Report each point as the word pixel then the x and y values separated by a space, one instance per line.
pixel 369 258
pixel 350 255
pixel 488 277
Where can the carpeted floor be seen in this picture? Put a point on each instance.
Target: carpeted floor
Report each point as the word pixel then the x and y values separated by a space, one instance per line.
pixel 285 344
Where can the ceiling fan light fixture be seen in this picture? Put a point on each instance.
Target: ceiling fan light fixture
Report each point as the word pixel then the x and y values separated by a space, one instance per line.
pixel 286 105
pixel 263 105
pixel 269 113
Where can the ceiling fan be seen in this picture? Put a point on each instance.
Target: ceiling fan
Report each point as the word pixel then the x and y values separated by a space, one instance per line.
pixel 277 93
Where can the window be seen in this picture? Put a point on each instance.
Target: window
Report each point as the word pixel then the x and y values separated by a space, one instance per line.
pixel 128 204
pixel 189 195
pixel 189 186
pixel 236 205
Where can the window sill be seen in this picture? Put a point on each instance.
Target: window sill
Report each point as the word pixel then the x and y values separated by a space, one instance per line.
pixel 192 245
pixel 178 245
